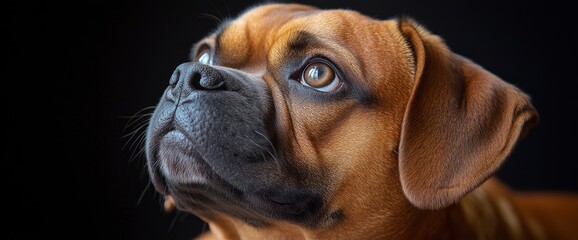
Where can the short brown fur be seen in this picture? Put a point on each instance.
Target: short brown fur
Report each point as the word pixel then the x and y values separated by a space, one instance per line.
pixel 398 167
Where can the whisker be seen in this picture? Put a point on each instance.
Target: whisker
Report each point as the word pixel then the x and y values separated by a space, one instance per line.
pixel 211 17
pixel 135 130
pixel 139 112
pixel 275 159
pixel 183 217
pixel 132 136
pixel 227 8
pixel 269 141
pixel 140 149
pixel 204 227
pixel 144 171
pixel 140 138
pixel 216 9
pixel 136 121
pixel 177 214
pixel 161 202
pixel 137 116
pixel 143 193
pixel 275 154
pixel 157 163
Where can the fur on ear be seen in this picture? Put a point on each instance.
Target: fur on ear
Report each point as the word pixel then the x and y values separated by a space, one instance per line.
pixel 461 122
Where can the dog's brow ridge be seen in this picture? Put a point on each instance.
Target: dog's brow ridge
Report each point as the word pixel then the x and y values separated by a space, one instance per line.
pixel 301 40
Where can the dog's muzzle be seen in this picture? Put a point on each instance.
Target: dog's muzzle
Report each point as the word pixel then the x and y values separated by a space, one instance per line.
pixel 210 145
pixel 210 126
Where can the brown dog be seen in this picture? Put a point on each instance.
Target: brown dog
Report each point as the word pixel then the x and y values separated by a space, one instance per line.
pixel 298 123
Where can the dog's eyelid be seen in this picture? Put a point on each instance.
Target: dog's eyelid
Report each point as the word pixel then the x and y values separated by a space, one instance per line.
pixel 329 81
pixel 204 55
pixel 197 49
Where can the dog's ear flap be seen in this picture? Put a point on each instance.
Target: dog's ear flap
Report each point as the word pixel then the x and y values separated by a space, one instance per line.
pixel 460 123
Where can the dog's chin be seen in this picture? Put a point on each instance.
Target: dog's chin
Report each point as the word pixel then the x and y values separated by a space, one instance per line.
pixel 178 162
pixel 182 172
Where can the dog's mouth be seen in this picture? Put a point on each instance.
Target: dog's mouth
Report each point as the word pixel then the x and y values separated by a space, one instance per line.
pixel 179 162
pixel 181 172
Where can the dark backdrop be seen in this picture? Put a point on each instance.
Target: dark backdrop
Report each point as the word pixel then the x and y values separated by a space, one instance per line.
pixel 76 70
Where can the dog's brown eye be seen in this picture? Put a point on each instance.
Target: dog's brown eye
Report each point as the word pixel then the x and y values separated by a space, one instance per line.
pixel 321 77
pixel 204 57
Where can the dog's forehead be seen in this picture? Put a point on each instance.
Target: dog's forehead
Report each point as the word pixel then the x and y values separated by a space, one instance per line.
pixel 269 34
pixel 254 35
pixel 275 20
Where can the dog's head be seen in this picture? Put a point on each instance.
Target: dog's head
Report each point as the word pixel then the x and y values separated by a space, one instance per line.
pixel 290 113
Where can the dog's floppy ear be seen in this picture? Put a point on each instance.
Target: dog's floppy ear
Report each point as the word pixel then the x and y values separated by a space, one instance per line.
pixel 459 125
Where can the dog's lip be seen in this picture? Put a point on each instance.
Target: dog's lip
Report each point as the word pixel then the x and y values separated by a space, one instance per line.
pixel 176 156
pixel 291 202
pixel 176 138
pixel 295 207
pixel 199 180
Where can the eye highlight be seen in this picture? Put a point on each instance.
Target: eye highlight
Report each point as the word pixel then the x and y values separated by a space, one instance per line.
pixel 204 57
pixel 321 77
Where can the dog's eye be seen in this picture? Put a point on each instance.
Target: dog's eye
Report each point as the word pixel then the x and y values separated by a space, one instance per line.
pixel 321 77
pixel 204 56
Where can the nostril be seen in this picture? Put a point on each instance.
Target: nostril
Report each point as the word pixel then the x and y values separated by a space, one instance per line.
pixel 196 81
pixel 175 78
pixel 207 81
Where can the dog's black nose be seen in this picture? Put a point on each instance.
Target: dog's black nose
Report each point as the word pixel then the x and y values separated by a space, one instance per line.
pixel 190 77
pixel 204 77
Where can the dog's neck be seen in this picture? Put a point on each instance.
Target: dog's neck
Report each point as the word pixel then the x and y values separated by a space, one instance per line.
pixel 482 214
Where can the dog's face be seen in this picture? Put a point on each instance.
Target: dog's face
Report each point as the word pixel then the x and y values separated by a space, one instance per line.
pixel 289 113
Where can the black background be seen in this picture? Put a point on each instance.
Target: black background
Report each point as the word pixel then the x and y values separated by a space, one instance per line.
pixel 75 70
